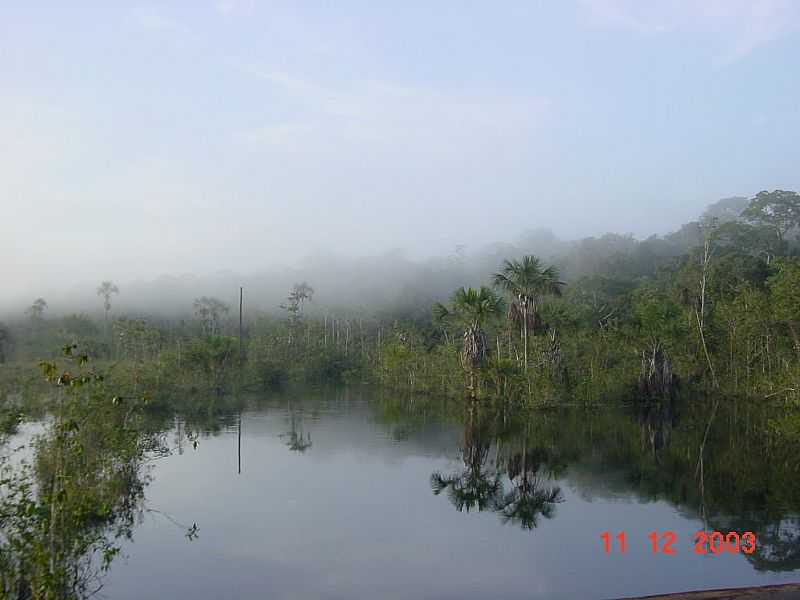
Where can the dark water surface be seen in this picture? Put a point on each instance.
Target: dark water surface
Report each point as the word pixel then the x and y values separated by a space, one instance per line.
pixel 359 494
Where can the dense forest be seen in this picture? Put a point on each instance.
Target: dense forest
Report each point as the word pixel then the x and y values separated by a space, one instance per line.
pixel 711 306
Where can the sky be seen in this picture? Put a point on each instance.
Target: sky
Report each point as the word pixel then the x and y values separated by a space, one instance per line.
pixel 146 139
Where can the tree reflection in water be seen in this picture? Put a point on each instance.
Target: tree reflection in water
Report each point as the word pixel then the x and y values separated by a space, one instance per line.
pixel 649 449
pixel 297 440
pixel 530 497
pixel 66 511
pixel 475 487
pixel 480 485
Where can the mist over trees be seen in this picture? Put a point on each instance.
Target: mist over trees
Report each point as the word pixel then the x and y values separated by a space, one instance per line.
pixel 394 284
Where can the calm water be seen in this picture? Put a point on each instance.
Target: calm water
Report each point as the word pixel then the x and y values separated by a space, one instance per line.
pixel 337 499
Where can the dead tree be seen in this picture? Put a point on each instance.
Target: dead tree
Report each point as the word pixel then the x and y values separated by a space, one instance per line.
pixel 656 377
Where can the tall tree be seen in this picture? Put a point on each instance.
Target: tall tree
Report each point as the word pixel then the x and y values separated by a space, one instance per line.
pixel 209 311
pixel 471 309
pixel 300 293
pixel 526 281
pixel 5 341
pixel 755 240
pixel 778 209
pixel 784 286
pixel 106 289
pixel 37 308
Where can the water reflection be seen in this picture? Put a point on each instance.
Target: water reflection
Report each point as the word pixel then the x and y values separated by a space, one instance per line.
pixel 476 486
pixel 517 484
pixel 656 420
pixel 296 440
pixel 532 493
pixel 714 459
pixel 68 506
pixel 558 478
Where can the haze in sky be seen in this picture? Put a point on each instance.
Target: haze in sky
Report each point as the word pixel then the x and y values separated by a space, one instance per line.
pixel 172 137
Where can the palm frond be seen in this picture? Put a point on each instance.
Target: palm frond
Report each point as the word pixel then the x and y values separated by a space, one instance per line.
pixel 440 312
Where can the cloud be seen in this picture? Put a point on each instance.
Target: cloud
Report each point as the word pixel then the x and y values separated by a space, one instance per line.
pixel 744 25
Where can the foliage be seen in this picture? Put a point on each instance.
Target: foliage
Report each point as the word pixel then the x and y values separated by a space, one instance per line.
pixel 64 514
pixel 778 209
pixel 211 356
pixel 209 312
pixel 472 310
pixel 718 301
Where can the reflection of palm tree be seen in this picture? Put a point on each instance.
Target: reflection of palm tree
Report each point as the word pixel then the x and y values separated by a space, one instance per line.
pixel 469 489
pixel 524 505
pixel 529 498
pixel 473 487
pixel 297 441
pixel 481 488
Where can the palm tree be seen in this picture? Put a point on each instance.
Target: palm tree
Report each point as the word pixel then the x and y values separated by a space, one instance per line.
pixel 526 281
pixel 471 309
pixel 106 289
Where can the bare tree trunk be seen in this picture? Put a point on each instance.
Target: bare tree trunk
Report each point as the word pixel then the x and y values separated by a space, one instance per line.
pixel 525 333
pixel 701 315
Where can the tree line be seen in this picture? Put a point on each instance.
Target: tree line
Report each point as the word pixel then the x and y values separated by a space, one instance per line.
pixel 721 314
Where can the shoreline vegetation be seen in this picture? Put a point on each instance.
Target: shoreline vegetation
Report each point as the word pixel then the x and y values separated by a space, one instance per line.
pixel 702 324
pixel 715 311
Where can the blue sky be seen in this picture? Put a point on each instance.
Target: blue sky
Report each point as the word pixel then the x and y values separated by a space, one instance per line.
pixel 194 136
